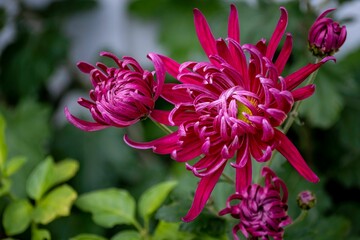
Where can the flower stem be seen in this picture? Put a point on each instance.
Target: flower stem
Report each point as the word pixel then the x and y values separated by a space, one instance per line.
pixel 294 113
pixel 162 126
pixel 227 179
pixel 299 218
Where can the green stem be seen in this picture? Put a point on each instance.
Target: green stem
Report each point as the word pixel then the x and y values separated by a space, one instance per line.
pixel 299 218
pixel 295 111
pixel 162 126
pixel 227 179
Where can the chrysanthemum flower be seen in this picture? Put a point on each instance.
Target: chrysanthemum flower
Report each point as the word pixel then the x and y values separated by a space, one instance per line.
pixel 326 36
pixel 262 211
pixel 122 95
pixel 231 107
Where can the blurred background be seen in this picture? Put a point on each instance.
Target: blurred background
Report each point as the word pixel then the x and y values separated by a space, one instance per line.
pixel 42 40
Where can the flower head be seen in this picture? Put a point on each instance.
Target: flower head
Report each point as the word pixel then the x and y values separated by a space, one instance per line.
pixel 230 107
pixel 122 95
pixel 326 36
pixel 262 211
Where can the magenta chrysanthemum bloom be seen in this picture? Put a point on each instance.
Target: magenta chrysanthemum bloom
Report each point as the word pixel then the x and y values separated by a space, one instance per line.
pixel 326 36
pixel 262 211
pixel 122 95
pixel 231 107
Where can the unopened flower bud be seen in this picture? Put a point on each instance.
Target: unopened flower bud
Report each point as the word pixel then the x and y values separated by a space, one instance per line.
pixel 306 200
pixel 326 36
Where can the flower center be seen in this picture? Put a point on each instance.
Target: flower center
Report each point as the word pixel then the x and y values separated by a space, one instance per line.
pixel 243 109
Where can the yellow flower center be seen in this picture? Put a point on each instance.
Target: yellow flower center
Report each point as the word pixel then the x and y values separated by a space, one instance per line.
pixel 241 109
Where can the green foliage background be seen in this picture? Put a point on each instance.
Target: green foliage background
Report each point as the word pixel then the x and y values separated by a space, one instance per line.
pixel 328 134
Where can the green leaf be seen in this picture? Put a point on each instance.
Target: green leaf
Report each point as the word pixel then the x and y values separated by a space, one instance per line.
pixel 56 203
pixel 170 231
pixel 13 165
pixel 39 180
pixel 17 217
pixel 64 170
pixel 5 185
pixel 152 199
pixel 85 236
pixel 48 174
pixel 127 235
pixel 109 207
pixel 3 148
pixel 174 211
pixel 324 107
pixel 40 234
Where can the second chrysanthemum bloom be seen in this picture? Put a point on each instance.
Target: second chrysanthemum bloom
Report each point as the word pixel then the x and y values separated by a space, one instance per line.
pixel 121 95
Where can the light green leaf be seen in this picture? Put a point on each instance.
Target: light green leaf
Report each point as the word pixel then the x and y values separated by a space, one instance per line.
pixel 152 199
pixel 170 231
pixel 109 207
pixel 127 235
pixel 56 203
pixel 13 165
pixel 40 178
pixel 3 148
pixel 48 174
pixel 64 170
pixel 40 234
pixel 17 217
pixel 86 236
pixel 5 185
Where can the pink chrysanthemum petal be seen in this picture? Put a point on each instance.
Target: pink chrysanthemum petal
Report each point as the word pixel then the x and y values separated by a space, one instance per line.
pixel 289 151
pixel 202 194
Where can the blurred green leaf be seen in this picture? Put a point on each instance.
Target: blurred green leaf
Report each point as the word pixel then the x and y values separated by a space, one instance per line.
pixel 127 235
pixel 64 170
pixel 27 134
pixel 56 203
pixel 170 231
pixel 324 107
pixel 3 148
pixel 40 179
pixel 173 212
pixel 40 234
pixel 333 227
pixel 206 223
pixel 85 236
pixel 48 174
pixel 17 217
pixel 5 185
pixel 152 199
pixel 108 207
pixel 13 165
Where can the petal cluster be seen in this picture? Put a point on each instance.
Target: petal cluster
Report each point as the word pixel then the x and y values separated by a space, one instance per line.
pixel 261 210
pixel 230 107
pixel 326 36
pixel 121 95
